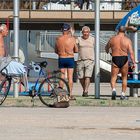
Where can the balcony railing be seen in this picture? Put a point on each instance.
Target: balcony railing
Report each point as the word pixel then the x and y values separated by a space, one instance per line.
pixel 105 5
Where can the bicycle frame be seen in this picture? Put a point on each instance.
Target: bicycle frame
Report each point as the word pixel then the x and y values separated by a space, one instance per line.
pixel 43 89
pixel 35 87
pixel 41 73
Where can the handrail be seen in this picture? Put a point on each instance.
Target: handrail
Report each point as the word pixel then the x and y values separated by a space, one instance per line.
pixel 45 42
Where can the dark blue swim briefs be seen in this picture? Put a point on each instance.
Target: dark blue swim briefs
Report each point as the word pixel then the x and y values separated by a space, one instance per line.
pixel 66 63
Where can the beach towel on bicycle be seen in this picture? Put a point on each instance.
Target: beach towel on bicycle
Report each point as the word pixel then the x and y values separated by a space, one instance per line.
pixel 17 70
pixel 61 98
pixel 4 61
pixel 9 66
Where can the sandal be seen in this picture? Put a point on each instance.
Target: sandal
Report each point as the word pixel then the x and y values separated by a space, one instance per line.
pixel 72 97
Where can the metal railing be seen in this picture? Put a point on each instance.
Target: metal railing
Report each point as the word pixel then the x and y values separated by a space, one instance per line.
pixel 45 42
pixel 69 5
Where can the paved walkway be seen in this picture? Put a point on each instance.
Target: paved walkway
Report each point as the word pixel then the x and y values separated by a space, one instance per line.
pixel 73 123
pixel 105 89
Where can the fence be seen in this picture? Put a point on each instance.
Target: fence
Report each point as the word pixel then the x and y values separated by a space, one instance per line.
pixel 45 42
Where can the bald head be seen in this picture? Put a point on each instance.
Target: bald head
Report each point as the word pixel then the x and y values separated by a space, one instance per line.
pixel 122 29
pixel 3 30
pixel 85 28
pixel 2 27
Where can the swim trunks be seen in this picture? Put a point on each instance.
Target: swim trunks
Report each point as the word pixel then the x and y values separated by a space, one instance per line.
pixel 66 63
pixel 119 61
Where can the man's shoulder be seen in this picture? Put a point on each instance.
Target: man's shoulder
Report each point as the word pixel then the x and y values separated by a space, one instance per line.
pixel 92 37
pixel 58 37
pixel 74 38
pixel 114 36
pixel 126 37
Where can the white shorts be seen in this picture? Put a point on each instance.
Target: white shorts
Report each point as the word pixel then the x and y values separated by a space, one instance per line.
pixel 85 68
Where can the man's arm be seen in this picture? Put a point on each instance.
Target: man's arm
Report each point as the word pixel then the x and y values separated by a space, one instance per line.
pixel 75 46
pixel 131 28
pixel 107 47
pixel 56 50
pixel 131 52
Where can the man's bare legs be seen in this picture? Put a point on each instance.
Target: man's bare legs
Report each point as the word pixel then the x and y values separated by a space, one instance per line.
pixel 70 79
pixel 114 74
pixel 124 72
pixel 61 84
pixel 85 82
pixel 69 76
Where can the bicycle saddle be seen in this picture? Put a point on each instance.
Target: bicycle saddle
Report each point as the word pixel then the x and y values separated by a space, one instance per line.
pixel 43 64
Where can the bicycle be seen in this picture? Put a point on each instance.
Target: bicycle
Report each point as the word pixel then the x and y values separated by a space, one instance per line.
pixel 45 92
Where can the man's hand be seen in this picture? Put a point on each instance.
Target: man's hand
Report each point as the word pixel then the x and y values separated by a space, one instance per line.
pixel 131 28
pixel 133 66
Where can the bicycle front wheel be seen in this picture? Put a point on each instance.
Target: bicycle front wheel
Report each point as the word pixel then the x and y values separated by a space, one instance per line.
pixel 4 89
pixel 46 90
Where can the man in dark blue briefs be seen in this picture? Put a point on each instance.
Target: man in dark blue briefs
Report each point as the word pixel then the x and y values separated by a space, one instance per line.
pixel 65 48
pixel 120 45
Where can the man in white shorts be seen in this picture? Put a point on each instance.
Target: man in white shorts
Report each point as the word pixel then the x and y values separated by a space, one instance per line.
pixel 85 61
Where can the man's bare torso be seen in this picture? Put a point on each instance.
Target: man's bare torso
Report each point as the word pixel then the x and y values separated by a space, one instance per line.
pixel 65 45
pixel 119 45
pixel 2 49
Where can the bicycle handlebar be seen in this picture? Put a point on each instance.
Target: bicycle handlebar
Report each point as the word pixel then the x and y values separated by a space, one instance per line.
pixel 37 65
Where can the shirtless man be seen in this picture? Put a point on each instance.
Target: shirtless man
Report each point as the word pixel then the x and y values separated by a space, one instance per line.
pixel 11 65
pixel 65 48
pixel 120 46
pixel 3 33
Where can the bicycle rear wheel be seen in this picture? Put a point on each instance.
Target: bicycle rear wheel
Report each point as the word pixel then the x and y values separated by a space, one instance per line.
pixel 4 89
pixel 46 90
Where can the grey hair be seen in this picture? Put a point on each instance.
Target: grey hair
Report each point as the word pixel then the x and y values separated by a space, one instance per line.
pixel 2 26
pixel 85 28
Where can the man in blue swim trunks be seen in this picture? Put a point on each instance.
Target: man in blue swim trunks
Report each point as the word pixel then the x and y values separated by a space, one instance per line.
pixel 65 48
pixel 120 45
